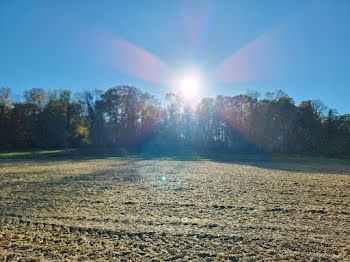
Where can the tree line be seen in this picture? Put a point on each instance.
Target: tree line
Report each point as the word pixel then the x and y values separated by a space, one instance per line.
pixel 124 116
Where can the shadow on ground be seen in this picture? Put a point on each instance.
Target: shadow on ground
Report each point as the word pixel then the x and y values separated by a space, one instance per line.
pixel 36 191
pixel 292 163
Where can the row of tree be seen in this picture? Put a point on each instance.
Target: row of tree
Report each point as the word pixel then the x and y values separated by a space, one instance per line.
pixel 125 116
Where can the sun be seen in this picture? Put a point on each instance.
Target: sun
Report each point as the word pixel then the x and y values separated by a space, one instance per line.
pixel 189 86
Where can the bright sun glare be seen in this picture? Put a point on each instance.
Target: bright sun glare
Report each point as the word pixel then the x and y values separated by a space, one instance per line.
pixel 189 86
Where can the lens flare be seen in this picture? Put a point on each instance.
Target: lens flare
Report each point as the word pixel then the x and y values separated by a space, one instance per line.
pixel 130 59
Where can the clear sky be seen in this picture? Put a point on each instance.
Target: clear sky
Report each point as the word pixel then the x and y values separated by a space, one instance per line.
pixel 301 47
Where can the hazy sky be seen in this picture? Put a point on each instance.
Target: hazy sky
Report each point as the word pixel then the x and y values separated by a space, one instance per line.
pixel 301 47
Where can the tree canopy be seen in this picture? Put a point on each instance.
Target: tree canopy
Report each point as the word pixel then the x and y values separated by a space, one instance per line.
pixel 124 116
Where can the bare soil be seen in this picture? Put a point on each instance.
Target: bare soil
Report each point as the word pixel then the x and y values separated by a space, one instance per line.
pixel 155 210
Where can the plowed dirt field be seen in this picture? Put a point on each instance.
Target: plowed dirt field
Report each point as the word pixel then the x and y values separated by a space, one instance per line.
pixel 154 210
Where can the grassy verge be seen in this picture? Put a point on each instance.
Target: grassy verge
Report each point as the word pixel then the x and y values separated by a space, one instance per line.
pixel 273 158
pixel 309 159
pixel 91 153
pixel 34 153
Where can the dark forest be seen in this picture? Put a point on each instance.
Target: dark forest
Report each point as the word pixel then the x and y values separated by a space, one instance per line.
pixel 126 117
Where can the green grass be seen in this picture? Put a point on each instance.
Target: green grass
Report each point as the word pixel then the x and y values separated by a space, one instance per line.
pixel 274 158
pixel 309 159
pixel 174 155
pixel 33 153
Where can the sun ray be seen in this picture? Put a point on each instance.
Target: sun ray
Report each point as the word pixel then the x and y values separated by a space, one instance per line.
pixel 275 53
pixel 132 60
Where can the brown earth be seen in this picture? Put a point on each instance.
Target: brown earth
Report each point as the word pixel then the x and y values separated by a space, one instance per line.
pixel 173 211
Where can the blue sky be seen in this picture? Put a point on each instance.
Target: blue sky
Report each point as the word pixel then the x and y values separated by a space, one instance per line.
pixel 301 47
